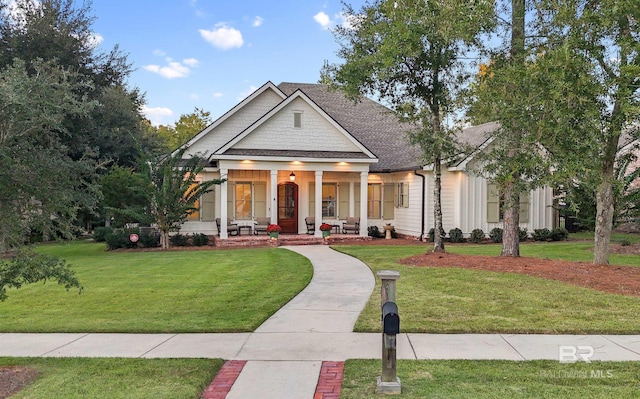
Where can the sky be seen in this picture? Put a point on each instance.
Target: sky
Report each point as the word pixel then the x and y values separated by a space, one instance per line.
pixel 211 54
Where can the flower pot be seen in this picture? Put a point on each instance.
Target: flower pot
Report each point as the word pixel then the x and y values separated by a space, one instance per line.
pixel 326 233
pixel 273 234
pixel 388 229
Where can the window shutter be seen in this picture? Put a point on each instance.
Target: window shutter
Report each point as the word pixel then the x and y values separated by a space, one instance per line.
pixel 356 194
pixel 343 197
pixel 524 207
pixel 493 203
pixel 396 195
pixel 405 195
pixel 231 209
pixel 388 208
pixel 260 199
pixel 312 199
pixel 207 206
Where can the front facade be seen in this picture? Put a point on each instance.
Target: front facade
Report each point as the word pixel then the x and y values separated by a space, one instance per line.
pixel 294 151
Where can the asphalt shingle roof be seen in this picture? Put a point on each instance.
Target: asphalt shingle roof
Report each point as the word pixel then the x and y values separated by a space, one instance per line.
pixel 372 124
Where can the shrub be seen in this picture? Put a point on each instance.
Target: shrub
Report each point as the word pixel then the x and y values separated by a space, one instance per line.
pixel 455 235
pixel 496 234
pixel 100 233
pixel 149 239
pixel 119 238
pixel 477 235
pixel 200 239
pixel 179 240
pixel 523 234
pixel 625 243
pixel 374 231
pixel 559 234
pixel 541 234
pixel 432 235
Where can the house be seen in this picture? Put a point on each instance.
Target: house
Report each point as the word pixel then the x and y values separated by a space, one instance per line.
pixel 293 151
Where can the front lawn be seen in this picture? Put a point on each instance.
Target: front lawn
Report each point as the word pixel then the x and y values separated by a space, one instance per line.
pixel 68 378
pixel 497 379
pixel 159 292
pixel 454 300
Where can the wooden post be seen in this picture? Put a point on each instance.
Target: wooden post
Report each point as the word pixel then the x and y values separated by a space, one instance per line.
pixel 388 382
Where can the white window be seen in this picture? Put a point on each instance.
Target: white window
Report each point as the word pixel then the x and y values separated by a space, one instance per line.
pixel 297 119
pixel 402 195
pixel 374 202
pixel 329 200
pixel 243 197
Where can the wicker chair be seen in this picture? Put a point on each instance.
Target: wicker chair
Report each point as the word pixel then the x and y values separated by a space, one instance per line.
pixel 311 224
pixel 351 224
pixel 261 225
pixel 232 229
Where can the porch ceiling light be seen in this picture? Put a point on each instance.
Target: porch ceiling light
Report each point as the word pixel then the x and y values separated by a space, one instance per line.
pixel 292 176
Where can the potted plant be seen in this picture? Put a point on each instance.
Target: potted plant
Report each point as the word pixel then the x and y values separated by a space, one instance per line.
pixel 326 230
pixel 273 230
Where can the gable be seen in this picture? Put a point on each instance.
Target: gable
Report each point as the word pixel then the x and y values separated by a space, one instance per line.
pixel 316 133
pixel 235 121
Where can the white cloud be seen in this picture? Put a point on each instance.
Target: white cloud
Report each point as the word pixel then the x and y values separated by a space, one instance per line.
pixel 194 96
pixel 173 69
pixel 95 39
pixel 346 21
pixel 258 21
pixel 192 62
pixel 247 92
pixel 217 95
pixel 223 37
pixel 159 53
pixel 156 114
pixel 323 19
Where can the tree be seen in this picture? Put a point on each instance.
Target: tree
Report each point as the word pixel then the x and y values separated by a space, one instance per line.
pixel 185 128
pixel 603 39
pixel 41 188
pixel 60 32
pixel 410 53
pixel 125 196
pixel 28 267
pixel 175 190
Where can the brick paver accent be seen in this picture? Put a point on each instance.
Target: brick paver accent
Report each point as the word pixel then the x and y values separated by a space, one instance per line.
pixel 330 381
pixel 221 385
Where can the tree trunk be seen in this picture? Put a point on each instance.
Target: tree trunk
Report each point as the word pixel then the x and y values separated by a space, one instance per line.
pixel 604 214
pixel 438 235
pixel 511 222
pixel 164 239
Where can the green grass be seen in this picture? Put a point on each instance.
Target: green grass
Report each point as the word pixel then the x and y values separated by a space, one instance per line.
pixel 454 300
pixel 67 378
pixel 497 379
pixel 576 251
pixel 154 292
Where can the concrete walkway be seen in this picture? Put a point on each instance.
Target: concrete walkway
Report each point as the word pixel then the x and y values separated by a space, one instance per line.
pixel 285 356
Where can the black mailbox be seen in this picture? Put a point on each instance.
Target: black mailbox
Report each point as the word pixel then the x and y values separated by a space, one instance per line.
pixel 390 318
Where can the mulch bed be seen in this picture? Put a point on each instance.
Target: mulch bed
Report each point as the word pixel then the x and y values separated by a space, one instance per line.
pixel 14 378
pixel 624 280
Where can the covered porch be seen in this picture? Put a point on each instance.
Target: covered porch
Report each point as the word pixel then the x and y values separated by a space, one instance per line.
pixel 288 192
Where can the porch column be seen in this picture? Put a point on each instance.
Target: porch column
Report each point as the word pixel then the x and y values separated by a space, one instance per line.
pixel 224 173
pixel 318 199
pixel 364 178
pixel 274 196
pixel 352 199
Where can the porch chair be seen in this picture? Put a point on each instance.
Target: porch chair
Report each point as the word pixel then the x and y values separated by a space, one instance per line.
pixel 261 225
pixel 232 229
pixel 311 224
pixel 351 224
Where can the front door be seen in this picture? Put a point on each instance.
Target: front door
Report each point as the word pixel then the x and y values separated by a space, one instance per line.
pixel 288 207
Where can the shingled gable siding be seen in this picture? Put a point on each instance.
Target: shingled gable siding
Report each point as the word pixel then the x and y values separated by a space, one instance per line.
pixel 316 134
pixel 236 123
